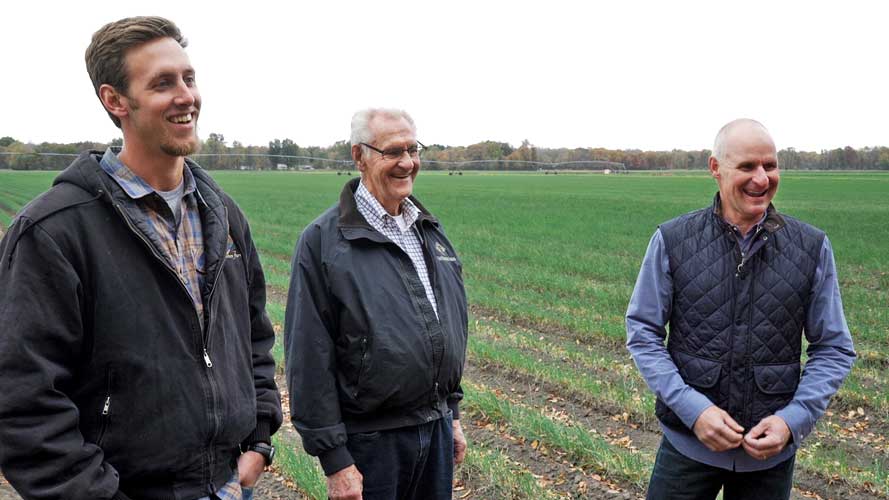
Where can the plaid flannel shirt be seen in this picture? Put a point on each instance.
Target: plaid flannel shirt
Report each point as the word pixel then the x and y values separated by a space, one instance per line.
pixel 230 491
pixel 407 240
pixel 182 245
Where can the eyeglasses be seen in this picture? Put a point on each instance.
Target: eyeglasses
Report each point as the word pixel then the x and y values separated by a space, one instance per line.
pixel 396 153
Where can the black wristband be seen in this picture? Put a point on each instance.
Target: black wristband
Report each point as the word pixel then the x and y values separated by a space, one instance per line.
pixel 264 449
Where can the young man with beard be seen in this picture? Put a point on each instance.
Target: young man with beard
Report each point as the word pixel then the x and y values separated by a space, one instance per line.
pixel 376 329
pixel 739 284
pixel 135 348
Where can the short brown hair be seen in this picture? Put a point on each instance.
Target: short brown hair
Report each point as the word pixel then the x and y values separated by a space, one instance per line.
pixel 106 54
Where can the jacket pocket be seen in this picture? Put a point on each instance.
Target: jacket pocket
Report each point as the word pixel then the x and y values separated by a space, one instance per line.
pixel 105 412
pixel 697 371
pixel 777 378
pixel 362 363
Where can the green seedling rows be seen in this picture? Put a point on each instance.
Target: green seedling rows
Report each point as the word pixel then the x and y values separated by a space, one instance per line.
pixel 549 264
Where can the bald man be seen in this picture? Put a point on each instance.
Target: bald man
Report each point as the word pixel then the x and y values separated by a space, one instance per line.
pixel 738 284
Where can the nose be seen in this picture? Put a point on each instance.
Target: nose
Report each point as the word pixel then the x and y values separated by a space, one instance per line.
pixel 406 160
pixel 760 177
pixel 186 95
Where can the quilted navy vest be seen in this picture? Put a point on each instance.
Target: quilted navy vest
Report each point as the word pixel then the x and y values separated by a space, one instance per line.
pixel 736 323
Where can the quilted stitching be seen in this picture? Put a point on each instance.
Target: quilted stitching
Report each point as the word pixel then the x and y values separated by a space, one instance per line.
pixel 696 371
pixel 708 297
pixel 777 379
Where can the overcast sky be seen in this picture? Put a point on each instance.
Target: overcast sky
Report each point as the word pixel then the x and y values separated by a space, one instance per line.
pixel 630 74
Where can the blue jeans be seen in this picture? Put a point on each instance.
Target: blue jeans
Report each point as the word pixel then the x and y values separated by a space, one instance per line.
pixel 409 463
pixel 677 477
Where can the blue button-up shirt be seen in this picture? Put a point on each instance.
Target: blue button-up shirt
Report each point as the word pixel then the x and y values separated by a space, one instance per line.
pixel 830 354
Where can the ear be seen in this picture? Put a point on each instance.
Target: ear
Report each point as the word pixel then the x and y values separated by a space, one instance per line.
pixel 357 150
pixel 713 163
pixel 114 101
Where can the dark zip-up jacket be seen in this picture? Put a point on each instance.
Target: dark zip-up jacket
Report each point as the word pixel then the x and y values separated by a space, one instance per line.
pixel 365 351
pixel 106 388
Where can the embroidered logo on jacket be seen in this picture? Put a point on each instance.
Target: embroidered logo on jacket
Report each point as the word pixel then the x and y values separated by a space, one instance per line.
pixel 232 252
pixel 443 253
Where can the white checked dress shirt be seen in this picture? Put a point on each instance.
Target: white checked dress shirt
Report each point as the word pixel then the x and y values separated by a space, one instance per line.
pixel 401 233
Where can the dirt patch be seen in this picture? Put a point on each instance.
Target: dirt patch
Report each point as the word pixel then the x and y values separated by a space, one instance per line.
pixel 6 491
pixel 554 473
pixel 812 486
pixel 275 295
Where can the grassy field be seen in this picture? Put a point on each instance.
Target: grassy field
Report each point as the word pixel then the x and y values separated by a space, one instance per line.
pixel 555 407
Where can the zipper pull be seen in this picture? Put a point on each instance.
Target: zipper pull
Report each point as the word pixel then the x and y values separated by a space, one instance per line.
pixel 207 359
pixel 107 406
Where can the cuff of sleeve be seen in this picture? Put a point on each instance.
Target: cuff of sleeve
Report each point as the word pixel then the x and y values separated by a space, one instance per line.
pixel 261 434
pixel 454 406
pixel 335 460
pixel 797 419
pixel 691 406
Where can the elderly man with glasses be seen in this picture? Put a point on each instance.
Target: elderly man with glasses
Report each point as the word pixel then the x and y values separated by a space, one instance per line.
pixel 376 329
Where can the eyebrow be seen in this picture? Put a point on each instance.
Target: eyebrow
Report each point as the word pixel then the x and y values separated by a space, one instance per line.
pixel 166 73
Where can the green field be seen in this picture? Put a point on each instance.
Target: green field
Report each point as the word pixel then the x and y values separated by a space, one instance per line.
pixel 555 407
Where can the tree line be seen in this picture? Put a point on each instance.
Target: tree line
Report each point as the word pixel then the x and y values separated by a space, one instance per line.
pixel 217 153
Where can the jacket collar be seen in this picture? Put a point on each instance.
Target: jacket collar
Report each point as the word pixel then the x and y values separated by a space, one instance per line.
pixel 86 173
pixel 772 223
pixel 353 225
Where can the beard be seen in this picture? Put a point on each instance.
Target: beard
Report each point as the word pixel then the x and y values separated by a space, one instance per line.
pixel 181 148
pixel 173 147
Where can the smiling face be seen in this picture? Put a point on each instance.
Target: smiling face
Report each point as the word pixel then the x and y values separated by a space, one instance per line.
pixel 390 181
pixel 747 174
pixel 162 102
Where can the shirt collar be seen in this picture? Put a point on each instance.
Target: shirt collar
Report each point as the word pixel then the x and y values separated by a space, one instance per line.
pixel 134 186
pixel 367 200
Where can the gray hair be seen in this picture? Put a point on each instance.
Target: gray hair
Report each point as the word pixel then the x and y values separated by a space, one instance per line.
pixel 361 122
pixel 722 135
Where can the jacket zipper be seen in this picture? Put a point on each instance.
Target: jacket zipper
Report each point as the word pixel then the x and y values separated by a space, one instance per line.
pixel 106 409
pixel 205 341
pixel 433 281
pixel 217 424
pixel 748 397
pixel 739 256
pixel 361 366
pixel 210 317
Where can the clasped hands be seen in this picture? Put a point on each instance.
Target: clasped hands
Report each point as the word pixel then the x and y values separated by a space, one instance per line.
pixel 719 432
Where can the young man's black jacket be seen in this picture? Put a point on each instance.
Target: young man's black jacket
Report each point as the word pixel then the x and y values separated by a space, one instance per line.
pixel 365 351
pixel 105 391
